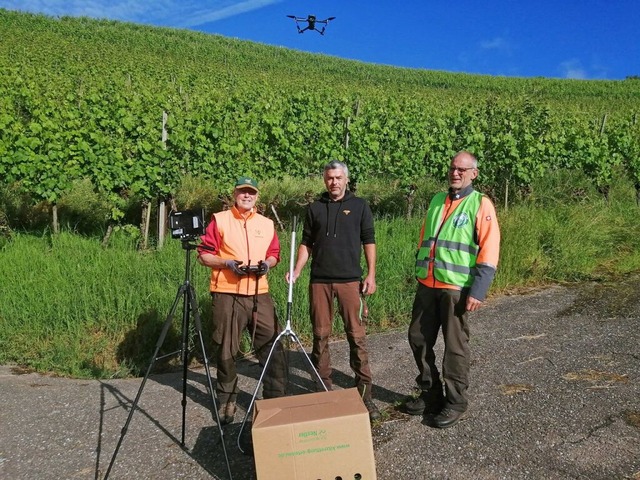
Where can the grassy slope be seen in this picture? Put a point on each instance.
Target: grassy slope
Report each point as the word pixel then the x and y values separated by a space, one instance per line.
pixel 100 47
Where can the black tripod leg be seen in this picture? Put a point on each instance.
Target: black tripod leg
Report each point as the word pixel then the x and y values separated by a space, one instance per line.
pixel 154 357
pixel 198 327
pixel 186 307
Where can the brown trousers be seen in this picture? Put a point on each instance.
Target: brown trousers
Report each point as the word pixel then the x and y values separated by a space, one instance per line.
pixel 322 308
pixel 231 315
pixel 435 308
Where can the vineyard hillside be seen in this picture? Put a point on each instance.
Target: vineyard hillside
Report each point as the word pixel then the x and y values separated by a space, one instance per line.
pixel 131 110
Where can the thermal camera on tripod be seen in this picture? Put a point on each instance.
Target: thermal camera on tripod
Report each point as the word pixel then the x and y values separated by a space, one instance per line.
pixel 187 225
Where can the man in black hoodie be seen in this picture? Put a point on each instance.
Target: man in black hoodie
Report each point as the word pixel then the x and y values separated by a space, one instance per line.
pixel 336 229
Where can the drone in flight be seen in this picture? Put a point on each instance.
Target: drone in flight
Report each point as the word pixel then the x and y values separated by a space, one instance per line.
pixel 311 22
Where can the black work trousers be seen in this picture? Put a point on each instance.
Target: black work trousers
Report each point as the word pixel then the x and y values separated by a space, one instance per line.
pixel 435 309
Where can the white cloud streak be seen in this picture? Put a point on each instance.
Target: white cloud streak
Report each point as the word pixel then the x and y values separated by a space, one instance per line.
pixel 234 8
pixel 175 13
pixel 497 43
pixel 573 69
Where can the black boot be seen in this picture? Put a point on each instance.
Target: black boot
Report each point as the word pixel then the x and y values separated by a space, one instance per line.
pixel 448 417
pixel 429 402
pixel 226 407
pixel 365 393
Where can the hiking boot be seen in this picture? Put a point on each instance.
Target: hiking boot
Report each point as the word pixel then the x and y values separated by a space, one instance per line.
pixel 374 413
pixel 226 408
pixel 448 417
pixel 426 404
pixel 415 406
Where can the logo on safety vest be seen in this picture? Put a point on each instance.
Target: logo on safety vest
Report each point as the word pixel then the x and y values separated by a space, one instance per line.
pixel 460 220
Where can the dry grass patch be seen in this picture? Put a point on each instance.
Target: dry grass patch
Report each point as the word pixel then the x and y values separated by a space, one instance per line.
pixel 632 418
pixel 606 379
pixel 21 370
pixel 515 388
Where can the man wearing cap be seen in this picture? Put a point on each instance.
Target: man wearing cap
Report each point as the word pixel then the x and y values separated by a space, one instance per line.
pixel 242 246
pixel 455 265
pixel 337 228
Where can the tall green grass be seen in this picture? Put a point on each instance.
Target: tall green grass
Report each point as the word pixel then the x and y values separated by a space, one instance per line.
pixel 70 306
pixel 569 233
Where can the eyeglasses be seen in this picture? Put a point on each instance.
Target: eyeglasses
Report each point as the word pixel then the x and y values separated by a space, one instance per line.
pixel 460 170
pixel 246 190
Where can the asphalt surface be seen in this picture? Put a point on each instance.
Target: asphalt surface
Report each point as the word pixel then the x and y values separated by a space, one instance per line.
pixel 555 394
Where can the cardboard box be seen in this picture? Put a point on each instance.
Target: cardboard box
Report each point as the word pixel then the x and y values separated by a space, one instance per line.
pixel 314 436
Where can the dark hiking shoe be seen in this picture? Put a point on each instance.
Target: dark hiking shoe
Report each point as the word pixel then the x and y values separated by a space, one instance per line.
pixel 374 413
pixel 226 413
pixel 415 406
pixel 226 408
pixel 230 412
pixel 425 404
pixel 448 418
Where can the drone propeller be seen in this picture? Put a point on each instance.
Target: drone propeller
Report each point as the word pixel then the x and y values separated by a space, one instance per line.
pixel 326 20
pixel 297 19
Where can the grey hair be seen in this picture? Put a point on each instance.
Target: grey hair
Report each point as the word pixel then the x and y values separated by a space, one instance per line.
pixel 333 164
pixel 474 160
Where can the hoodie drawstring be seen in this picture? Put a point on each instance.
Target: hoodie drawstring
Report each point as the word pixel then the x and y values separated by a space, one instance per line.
pixel 335 220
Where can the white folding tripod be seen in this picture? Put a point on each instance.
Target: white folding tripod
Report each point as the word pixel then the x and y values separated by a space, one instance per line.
pixel 286 332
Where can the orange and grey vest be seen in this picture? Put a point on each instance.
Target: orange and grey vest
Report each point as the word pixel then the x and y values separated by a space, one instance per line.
pixel 451 245
pixel 242 239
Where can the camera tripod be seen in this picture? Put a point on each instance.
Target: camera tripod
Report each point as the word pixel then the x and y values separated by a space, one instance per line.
pixel 186 292
pixel 287 332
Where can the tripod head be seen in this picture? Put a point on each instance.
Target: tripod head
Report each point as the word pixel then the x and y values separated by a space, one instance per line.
pixel 188 243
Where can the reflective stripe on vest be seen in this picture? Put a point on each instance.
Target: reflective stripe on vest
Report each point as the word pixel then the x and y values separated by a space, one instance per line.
pixel 455 252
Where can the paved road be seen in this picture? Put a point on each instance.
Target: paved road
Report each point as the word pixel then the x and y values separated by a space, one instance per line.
pixel 555 394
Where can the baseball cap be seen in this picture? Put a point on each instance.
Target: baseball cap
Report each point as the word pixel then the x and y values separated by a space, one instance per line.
pixel 247 182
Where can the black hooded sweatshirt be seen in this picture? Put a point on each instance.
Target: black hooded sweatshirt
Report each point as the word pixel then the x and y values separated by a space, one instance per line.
pixel 335 231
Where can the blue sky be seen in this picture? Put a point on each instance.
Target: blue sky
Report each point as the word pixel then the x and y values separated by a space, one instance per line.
pixel 582 39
